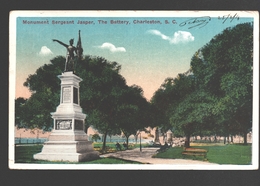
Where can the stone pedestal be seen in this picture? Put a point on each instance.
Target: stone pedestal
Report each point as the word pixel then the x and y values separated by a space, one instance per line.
pixel 68 141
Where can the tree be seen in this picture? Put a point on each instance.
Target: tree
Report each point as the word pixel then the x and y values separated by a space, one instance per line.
pixel 95 137
pixel 36 110
pixel 215 94
pixel 172 92
pixel 19 111
pixel 102 94
pixel 132 111
pixel 44 86
pixel 224 68
pixel 194 114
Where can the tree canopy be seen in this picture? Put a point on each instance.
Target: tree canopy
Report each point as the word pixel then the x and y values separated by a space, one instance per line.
pixel 111 105
pixel 216 92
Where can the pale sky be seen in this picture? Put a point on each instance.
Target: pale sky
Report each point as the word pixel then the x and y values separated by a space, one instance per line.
pixel 148 49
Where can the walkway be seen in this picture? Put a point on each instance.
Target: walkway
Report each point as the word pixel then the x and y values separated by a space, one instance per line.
pixel 146 157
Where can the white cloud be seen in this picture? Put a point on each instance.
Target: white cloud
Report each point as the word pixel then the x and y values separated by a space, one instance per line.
pixel 112 47
pixel 45 51
pixel 178 37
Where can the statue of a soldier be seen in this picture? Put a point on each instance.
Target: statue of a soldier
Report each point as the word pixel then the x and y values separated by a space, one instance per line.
pixel 69 64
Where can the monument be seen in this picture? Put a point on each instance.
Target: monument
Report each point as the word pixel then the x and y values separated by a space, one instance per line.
pixel 169 136
pixel 68 141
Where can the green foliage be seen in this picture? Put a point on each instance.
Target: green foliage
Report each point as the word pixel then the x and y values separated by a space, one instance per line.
pixel 95 137
pixel 195 113
pixel 19 111
pixel 110 104
pixel 132 111
pixel 37 110
pixel 227 73
pixel 170 94
pixel 215 95
pixel 99 77
pixel 24 154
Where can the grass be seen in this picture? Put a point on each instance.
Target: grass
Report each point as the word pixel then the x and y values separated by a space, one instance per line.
pixel 235 154
pixel 171 153
pixel 24 154
pixel 230 154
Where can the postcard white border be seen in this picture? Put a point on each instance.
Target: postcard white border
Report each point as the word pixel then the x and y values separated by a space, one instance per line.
pixel 58 13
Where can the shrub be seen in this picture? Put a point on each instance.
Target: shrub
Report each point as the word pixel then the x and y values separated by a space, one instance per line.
pixel 95 137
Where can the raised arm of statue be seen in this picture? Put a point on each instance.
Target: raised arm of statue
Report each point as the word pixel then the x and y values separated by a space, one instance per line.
pixel 65 45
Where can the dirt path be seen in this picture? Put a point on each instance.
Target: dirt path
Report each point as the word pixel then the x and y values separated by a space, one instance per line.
pixel 146 157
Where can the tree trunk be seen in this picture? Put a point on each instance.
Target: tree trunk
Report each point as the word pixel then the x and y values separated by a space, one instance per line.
pixel 187 141
pixel 245 137
pixel 104 142
pixel 127 137
pixel 136 136
pixel 224 139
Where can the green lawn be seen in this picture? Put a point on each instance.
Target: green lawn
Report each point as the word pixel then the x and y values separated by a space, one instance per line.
pixel 235 154
pixel 24 154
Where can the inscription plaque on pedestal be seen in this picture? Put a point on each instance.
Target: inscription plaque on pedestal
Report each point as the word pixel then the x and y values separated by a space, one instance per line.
pixel 78 125
pixel 66 92
pixel 75 95
pixel 63 125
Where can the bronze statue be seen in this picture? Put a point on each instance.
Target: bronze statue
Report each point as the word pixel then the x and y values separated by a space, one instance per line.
pixel 69 64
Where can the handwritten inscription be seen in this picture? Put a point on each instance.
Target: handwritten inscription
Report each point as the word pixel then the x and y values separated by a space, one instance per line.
pixel 229 17
pixel 196 22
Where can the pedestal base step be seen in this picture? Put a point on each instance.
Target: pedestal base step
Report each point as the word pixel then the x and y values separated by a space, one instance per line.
pixel 71 157
pixel 74 151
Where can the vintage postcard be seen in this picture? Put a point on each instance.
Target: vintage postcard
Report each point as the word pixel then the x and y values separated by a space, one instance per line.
pixel 134 90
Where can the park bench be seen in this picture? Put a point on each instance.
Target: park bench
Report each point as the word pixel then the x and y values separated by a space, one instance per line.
pixel 194 152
